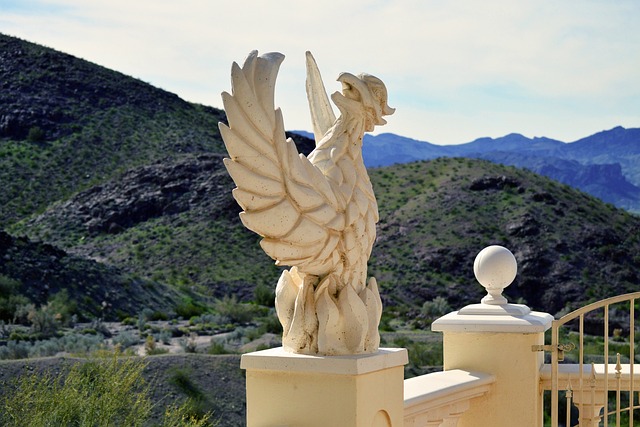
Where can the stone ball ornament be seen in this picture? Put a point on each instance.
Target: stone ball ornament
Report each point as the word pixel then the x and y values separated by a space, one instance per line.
pixel 495 267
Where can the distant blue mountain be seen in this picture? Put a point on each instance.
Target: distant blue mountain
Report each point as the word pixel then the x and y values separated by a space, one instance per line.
pixel 606 164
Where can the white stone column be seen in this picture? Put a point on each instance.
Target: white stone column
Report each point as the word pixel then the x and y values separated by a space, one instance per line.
pixel 496 338
pixel 288 389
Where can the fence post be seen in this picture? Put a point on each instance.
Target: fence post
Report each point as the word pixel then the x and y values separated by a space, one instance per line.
pixel 288 389
pixel 496 337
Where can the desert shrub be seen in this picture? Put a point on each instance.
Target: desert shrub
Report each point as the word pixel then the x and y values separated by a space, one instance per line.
pixel 129 321
pixel 78 344
pixel 35 134
pixel 183 416
pixel 159 315
pixel 189 308
pixel 4 331
pixel 10 299
pixel 205 319
pixel 217 347
pixel 15 350
pixel 149 344
pixel 62 307
pixel 102 392
pixel 87 396
pixel 235 311
pixel 142 323
pixel 126 339
pixel 439 306
pixel 264 295
pixel 164 336
pixel 385 323
pixel 146 314
pixel 271 324
pixel 43 320
pixel 189 344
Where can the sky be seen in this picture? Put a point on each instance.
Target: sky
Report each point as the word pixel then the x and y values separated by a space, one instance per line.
pixel 455 70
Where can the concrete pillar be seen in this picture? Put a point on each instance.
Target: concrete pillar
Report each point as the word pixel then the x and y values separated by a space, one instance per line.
pixel 496 338
pixel 287 389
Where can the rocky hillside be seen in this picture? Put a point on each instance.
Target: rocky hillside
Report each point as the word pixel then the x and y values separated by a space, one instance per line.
pixel 39 271
pixel 436 215
pixel 67 124
pixel 103 168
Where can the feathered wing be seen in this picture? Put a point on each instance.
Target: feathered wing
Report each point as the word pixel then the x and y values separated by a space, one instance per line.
pixel 322 115
pixel 285 198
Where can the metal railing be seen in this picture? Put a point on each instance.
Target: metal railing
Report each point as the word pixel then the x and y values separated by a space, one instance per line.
pixel 597 390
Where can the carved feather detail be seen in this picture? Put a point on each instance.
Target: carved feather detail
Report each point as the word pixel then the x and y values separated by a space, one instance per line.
pixel 316 214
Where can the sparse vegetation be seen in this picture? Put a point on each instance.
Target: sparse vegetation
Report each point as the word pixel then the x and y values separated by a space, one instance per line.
pixel 99 392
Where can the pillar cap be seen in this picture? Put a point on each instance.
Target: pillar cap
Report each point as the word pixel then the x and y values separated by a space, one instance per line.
pixel 278 359
pixel 530 323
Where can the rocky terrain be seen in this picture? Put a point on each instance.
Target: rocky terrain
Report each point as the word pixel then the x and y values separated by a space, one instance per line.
pixel 41 271
pixel 437 215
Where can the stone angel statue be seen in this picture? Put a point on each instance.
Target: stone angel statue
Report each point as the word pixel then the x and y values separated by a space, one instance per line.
pixel 316 214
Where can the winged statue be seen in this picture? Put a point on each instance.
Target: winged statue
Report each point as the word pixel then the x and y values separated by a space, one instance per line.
pixel 316 214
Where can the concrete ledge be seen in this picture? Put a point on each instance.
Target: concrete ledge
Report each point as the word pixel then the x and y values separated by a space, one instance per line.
pixel 277 359
pixel 442 395
pixel 446 387
pixel 533 322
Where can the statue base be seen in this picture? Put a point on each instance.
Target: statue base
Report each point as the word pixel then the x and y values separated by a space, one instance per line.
pixel 289 389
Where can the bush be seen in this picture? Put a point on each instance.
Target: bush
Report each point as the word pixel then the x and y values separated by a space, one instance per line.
pixel 189 308
pixel 15 350
pixel 104 392
pixel 189 345
pixel 98 393
pixel 78 344
pixel 126 339
pixel 217 347
pixel 237 312
pixel 36 134
pixel 436 308
pixel 164 336
pixel 10 299
pixel 264 295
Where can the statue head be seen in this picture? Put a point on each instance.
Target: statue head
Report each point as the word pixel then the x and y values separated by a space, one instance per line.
pixel 371 92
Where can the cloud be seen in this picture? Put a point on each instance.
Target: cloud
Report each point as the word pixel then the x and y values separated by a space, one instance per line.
pixel 455 70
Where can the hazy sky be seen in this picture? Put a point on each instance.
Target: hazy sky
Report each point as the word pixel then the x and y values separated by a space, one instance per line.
pixel 455 70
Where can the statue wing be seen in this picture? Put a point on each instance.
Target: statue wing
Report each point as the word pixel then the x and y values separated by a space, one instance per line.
pixel 285 198
pixel 322 115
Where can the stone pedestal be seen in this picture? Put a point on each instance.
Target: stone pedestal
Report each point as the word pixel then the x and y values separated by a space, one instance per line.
pixel 497 338
pixel 500 346
pixel 287 389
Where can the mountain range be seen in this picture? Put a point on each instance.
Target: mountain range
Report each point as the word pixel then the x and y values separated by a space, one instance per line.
pixel 606 164
pixel 108 180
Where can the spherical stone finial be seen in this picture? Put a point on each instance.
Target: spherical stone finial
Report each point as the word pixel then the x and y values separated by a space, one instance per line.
pixel 495 268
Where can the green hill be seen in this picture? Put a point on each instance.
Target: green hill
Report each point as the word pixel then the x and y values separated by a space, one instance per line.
pixel 67 124
pixel 437 215
pixel 112 170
